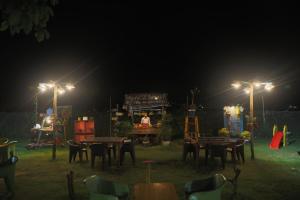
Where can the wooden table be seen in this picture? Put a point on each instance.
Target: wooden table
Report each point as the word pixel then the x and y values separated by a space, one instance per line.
pixel 155 191
pixel 118 141
pixel 140 133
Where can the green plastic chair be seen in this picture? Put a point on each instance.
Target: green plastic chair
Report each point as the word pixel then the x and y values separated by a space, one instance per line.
pixel 206 189
pixel 109 189
pixel 95 196
pixel 7 172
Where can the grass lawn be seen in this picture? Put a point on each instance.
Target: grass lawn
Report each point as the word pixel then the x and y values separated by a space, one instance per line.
pixel 273 175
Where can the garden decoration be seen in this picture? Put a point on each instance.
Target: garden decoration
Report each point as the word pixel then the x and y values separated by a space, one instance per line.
pixel 191 134
pixel 191 128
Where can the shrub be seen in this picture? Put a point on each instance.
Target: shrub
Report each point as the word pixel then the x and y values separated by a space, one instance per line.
pixel 223 132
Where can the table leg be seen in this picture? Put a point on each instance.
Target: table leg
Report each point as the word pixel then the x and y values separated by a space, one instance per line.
pixel 54 147
pixel 197 154
pixel 233 155
pixel 119 155
pixel 206 153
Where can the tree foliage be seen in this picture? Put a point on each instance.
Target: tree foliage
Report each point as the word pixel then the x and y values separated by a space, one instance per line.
pixel 26 16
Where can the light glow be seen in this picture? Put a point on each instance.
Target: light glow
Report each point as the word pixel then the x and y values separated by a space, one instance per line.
pixel 257 84
pixel 70 86
pixel 269 86
pixel 236 85
pixel 61 91
pixel 42 87
pixel 247 90
pixel 50 85
pixel 48 120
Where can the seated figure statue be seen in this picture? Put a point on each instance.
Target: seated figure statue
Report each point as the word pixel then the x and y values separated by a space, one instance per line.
pixel 145 121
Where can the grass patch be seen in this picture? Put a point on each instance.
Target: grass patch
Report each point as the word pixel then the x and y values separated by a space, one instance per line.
pixel 273 175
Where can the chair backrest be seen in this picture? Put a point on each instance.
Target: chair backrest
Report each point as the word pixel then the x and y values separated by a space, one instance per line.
pixel 219 180
pixel 72 143
pixel 3 153
pixel 207 184
pixel 208 189
pixel 3 141
pixel 70 183
pixel 98 149
pixel 128 145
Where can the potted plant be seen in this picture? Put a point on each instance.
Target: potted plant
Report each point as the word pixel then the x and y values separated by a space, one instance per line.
pixel 123 128
pixel 166 130
pixel 224 132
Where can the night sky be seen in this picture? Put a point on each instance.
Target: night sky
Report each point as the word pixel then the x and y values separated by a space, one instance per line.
pixel 113 49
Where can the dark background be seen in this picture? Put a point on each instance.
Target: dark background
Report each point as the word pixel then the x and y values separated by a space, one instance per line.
pixel 118 48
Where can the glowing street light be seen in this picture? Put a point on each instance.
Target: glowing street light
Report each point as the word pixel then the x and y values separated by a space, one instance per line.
pixel 236 85
pixel 70 86
pixel 249 89
pixel 57 89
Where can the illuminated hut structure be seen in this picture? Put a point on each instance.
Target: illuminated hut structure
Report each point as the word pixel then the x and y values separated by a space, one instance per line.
pixel 151 104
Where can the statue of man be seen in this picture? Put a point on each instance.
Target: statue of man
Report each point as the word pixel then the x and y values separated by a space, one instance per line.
pixel 145 121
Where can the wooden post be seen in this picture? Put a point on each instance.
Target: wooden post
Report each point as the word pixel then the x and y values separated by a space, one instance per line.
pixel 110 116
pixel 54 122
pixel 251 121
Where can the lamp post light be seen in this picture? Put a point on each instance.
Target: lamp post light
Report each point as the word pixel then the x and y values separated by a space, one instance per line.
pixel 58 89
pixel 249 89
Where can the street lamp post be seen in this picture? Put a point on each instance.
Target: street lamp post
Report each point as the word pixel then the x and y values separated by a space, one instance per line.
pixel 250 90
pixel 57 89
pixel 251 114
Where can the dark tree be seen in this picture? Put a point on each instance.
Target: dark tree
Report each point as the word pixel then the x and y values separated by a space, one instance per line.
pixel 26 16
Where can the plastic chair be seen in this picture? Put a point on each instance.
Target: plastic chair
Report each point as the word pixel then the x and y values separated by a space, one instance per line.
pixel 216 150
pixel 75 148
pixel 7 171
pixel 101 151
pixel 239 151
pixel 189 148
pixel 108 189
pixel 128 146
pixel 95 196
pixel 205 189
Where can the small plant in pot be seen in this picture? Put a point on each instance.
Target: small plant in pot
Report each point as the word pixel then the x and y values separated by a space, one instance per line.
pixel 166 131
pixel 123 128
